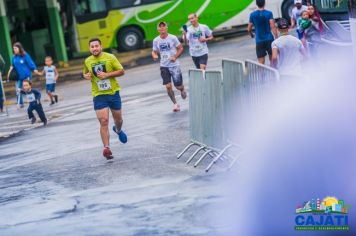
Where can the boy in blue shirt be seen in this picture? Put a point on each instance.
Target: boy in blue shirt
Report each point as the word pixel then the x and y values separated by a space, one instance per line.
pixel 34 100
pixel 263 22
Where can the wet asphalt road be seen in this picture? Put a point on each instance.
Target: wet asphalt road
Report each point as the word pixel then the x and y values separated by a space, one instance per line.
pixel 54 180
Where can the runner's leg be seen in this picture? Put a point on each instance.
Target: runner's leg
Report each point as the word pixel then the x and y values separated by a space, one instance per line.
pixel 202 67
pixel 203 61
pixel 178 80
pixel 40 112
pixel 30 111
pixel 103 117
pixel 170 93
pixel 117 115
pixel 261 60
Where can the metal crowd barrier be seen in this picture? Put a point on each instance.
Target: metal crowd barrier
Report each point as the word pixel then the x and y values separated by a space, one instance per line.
pixel 206 114
pixel 234 98
pixel 217 100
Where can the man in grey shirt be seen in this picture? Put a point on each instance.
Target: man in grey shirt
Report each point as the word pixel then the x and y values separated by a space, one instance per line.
pixel 287 52
pixel 168 47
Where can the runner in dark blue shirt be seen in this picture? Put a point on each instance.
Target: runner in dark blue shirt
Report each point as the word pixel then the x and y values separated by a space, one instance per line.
pixel 34 99
pixel 263 22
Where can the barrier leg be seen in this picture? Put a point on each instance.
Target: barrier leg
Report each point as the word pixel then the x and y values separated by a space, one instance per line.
pixel 218 157
pixel 194 154
pixel 202 157
pixel 233 161
pixel 186 149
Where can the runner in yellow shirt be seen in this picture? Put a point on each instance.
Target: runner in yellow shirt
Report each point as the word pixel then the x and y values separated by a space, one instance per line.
pixel 101 69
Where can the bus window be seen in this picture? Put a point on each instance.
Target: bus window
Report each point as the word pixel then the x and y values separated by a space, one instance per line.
pixel 332 4
pixel 122 3
pixel 132 3
pixel 97 6
pixel 82 7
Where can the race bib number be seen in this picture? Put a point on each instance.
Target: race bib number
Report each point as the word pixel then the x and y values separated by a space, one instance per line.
pixel 197 46
pixel 165 57
pixel 31 97
pixel 104 85
pixel 50 76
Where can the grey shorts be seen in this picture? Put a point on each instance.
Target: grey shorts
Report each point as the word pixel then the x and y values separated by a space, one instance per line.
pixel 172 73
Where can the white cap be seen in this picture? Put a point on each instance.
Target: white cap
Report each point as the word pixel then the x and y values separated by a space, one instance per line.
pixel 298 1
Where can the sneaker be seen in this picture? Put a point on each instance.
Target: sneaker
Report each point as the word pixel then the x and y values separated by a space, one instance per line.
pixel 107 153
pixel 176 108
pixel 45 122
pixel 56 98
pixel 122 136
pixel 33 120
pixel 183 94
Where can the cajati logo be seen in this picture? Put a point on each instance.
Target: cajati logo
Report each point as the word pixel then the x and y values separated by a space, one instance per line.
pixel 327 214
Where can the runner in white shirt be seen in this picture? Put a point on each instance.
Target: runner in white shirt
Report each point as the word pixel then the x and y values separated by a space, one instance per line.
pixel 196 36
pixel 287 52
pixel 168 47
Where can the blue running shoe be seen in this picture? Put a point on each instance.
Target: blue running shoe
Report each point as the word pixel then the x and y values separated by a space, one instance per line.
pixel 122 135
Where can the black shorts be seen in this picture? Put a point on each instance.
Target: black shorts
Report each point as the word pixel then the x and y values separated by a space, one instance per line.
pixel 172 73
pixel 202 60
pixel 263 48
pixel 105 101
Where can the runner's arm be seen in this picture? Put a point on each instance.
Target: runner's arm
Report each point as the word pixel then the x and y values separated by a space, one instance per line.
pixel 154 55
pixel 206 39
pixel 56 74
pixel 208 35
pixel 155 50
pixel 272 24
pixel 118 70
pixel 86 73
pixel 116 73
pixel 274 58
pixel 179 52
pixel 249 30
pixel 185 39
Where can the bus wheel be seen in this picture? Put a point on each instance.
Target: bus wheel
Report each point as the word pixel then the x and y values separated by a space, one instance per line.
pixel 130 38
pixel 287 9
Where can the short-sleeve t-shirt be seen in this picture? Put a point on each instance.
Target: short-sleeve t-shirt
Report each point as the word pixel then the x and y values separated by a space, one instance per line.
pixel 50 73
pixel 261 21
pixel 106 62
pixel 289 55
pixel 196 48
pixel 167 48
pixel 297 13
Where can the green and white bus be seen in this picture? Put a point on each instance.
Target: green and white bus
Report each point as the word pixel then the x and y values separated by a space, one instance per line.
pixel 128 24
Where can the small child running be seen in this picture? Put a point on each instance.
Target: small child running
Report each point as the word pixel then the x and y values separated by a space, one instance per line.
pixel 51 73
pixel 34 100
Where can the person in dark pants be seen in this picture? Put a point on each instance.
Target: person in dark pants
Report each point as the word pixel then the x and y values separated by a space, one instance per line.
pixel 34 99
pixel 2 69
pixel 1 96
pixel 263 22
